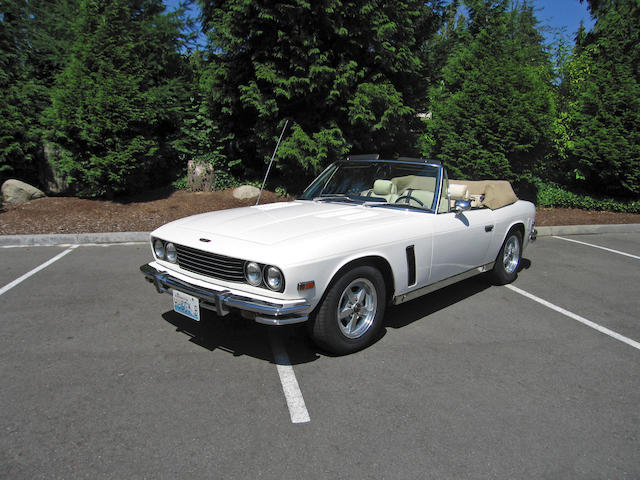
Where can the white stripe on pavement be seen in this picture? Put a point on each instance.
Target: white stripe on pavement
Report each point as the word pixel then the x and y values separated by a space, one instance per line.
pixel 578 318
pixel 597 246
pixel 292 393
pixel 18 281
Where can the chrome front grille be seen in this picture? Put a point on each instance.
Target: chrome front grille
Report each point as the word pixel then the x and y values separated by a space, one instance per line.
pixel 210 264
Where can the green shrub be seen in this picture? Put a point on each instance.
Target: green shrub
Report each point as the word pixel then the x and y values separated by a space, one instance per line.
pixel 223 180
pixel 181 183
pixel 552 195
pixel 282 192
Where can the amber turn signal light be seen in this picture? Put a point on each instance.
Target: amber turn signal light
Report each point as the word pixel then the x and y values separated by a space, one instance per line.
pixel 306 285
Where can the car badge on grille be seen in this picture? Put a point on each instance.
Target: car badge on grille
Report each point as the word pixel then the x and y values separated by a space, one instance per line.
pixel 205 240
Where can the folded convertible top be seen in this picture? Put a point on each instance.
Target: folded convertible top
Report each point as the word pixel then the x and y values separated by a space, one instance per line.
pixel 494 193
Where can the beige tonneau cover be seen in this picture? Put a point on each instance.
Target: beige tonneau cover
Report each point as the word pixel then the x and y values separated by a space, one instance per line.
pixel 489 193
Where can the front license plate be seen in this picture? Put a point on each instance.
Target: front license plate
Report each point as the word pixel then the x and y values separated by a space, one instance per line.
pixel 187 305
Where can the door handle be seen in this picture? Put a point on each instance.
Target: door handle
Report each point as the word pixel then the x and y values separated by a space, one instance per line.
pixel 488 228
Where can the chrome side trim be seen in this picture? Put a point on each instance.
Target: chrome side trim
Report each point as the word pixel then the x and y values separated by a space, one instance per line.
pixel 270 313
pixel 405 297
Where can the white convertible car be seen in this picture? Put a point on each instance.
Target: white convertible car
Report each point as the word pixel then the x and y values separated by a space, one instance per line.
pixel 365 234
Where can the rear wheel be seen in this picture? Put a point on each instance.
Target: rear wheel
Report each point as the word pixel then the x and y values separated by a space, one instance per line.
pixel 507 263
pixel 350 315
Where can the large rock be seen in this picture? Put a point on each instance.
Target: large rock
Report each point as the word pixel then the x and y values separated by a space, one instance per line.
pixel 15 192
pixel 246 192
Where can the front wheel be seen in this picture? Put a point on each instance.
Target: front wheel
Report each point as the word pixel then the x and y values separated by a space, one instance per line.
pixel 350 315
pixel 507 263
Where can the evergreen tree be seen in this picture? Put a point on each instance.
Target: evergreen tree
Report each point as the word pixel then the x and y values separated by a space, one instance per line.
pixel 492 112
pixel 600 146
pixel 197 140
pixel 13 15
pixel 34 41
pixel 119 98
pixel 350 74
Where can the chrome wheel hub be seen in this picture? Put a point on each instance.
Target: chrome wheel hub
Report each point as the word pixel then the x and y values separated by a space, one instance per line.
pixel 511 255
pixel 357 308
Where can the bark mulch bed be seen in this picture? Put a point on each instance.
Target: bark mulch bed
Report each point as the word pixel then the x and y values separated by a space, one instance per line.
pixel 145 213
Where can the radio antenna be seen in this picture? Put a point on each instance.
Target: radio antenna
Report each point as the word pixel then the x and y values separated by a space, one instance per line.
pixel 271 162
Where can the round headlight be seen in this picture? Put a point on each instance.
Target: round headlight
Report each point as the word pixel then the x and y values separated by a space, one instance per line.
pixel 172 255
pixel 253 273
pixel 158 248
pixel 273 278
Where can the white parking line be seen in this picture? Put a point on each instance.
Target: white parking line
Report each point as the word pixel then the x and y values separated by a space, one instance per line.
pixel 292 393
pixel 18 281
pixel 578 318
pixel 597 246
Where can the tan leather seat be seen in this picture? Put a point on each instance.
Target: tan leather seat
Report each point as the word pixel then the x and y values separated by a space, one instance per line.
pixel 385 189
pixel 458 192
pixel 420 188
pixel 382 190
pixel 414 182
pixel 425 197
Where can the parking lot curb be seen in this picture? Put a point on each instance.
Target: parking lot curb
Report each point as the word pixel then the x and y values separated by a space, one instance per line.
pixel 587 229
pixel 128 237
pixel 73 238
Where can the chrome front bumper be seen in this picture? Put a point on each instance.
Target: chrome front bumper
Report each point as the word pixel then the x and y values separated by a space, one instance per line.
pixel 222 302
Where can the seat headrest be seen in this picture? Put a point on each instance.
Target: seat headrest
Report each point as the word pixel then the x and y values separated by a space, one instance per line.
pixel 383 187
pixel 458 192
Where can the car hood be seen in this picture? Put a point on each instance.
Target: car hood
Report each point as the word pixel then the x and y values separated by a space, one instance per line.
pixel 278 223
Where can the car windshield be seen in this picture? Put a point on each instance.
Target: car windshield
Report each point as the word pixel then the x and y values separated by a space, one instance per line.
pixel 390 183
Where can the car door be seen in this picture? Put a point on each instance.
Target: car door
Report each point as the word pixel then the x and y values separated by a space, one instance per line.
pixel 460 242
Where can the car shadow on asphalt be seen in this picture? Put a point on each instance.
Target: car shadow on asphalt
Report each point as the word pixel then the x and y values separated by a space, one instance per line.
pixel 239 336
pixel 399 316
pixel 405 314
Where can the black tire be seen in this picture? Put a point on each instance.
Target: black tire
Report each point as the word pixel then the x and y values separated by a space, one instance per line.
pixel 359 294
pixel 507 263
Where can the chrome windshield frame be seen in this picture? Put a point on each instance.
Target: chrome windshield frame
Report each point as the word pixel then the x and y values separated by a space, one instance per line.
pixel 310 193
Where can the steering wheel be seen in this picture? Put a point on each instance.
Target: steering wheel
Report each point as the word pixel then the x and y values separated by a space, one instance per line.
pixel 409 197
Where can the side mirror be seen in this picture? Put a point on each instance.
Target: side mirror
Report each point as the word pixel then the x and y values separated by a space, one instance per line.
pixel 462 206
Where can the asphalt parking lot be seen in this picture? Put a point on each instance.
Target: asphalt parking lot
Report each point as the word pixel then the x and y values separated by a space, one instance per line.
pixel 100 379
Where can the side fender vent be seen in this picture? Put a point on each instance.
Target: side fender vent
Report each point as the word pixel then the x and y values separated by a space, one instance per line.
pixel 411 265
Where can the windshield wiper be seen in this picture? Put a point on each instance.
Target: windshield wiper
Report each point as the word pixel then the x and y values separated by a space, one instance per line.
pixel 336 198
pixel 397 205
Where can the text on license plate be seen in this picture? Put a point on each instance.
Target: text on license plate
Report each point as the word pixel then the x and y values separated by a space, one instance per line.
pixel 187 305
